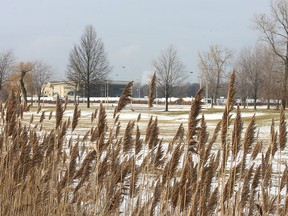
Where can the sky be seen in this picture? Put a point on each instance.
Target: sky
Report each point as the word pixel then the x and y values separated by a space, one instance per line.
pixel 134 32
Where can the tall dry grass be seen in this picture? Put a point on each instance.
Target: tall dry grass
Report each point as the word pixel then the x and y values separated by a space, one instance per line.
pixel 109 172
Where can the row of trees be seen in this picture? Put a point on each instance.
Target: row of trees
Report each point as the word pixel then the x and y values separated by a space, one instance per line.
pixel 88 65
pixel 261 69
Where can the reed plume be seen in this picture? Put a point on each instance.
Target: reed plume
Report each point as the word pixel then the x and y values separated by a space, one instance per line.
pixel 156 199
pixel 170 168
pixel 236 134
pixel 152 88
pixel 159 160
pixel 273 135
pixel 59 112
pixel 138 141
pixel 256 150
pixel 11 105
pixel 76 116
pixel 50 115
pixel 282 130
pixel 39 109
pixel 249 139
pixel 125 98
pixel 102 122
pixel 179 134
pixel 152 134
pixel 192 120
pixel 42 117
pixel 138 117
pixel 226 119
pixel 128 140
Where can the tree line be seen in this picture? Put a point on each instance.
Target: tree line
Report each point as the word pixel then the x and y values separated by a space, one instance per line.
pixel 262 70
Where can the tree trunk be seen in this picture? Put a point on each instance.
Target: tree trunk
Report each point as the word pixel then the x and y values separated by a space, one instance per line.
pixel 268 105
pixel 212 102
pixel 166 102
pixel 278 104
pixel 75 98
pixel 39 98
pixel 88 97
pixel 255 103
pixel 243 101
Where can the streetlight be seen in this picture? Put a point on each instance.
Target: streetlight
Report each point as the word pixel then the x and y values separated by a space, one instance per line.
pixel 129 71
pixel 200 79
pixel 106 91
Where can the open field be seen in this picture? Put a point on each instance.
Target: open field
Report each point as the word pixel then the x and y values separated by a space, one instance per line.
pixel 176 113
pixel 168 122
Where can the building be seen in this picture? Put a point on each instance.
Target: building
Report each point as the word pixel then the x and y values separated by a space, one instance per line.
pixel 109 88
pixel 63 88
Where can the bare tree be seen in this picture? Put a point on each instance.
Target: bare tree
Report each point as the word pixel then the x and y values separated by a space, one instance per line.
pixel 88 62
pixel 213 64
pixel 7 59
pixel 242 84
pixel 255 66
pixel 272 76
pixel 40 74
pixel 170 72
pixel 274 31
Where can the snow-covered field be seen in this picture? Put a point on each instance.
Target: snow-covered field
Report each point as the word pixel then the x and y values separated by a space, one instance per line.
pixel 168 122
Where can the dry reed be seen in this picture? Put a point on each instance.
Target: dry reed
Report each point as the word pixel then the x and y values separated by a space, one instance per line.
pixel 125 98
pixel 152 88
pixel 133 171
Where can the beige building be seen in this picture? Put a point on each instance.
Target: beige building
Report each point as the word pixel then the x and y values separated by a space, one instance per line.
pixel 64 88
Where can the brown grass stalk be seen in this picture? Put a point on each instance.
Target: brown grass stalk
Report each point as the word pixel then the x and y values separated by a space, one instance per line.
pixel 42 117
pixel 128 139
pixel 103 169
pixel 226 119
pixel 236 134
pixel 152 88
pixel 76 116
pixel 193 119
pixel 125 98
pixel 282 130
pixel 59 112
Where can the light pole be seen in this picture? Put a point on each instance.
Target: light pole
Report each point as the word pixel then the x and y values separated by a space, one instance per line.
pixel 192 91
pixel 200 81
pixel 129 71
pixel 107 91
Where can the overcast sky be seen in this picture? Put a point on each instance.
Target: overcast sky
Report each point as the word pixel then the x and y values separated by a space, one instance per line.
pixel 133 32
